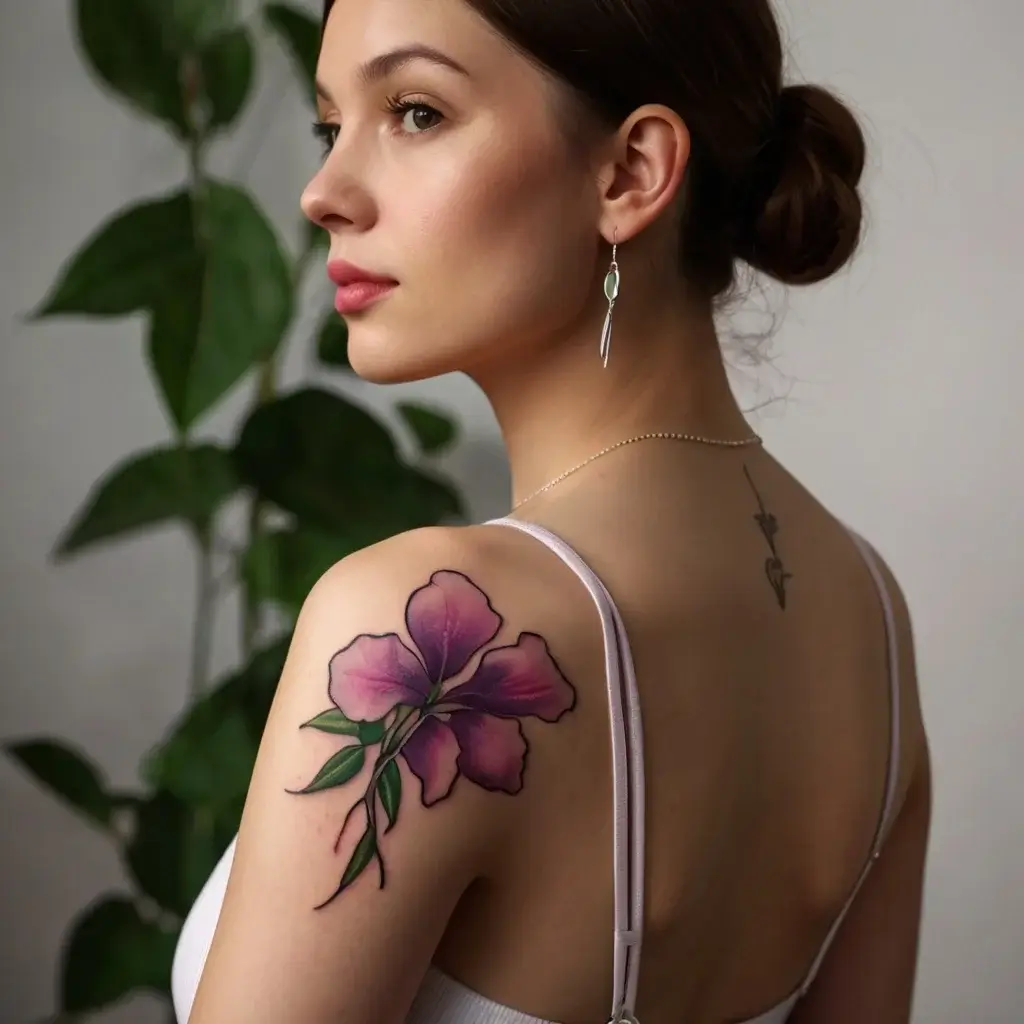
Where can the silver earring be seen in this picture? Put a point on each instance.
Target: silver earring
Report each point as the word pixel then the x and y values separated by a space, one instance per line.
pixel 611 292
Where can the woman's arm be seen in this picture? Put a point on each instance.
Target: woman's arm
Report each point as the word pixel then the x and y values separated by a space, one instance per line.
pixel 401 646
pixel 869 972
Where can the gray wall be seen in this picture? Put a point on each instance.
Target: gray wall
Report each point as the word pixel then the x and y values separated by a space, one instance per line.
pixel 901 384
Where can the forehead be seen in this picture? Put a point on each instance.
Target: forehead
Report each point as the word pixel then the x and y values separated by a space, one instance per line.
pixel 358 30
pixel 495 76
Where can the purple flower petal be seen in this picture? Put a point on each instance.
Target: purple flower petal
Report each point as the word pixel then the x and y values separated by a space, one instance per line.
pixel 493 750
pixel 373 675
pixel 431 751
pixel 514 681
pixel 449 620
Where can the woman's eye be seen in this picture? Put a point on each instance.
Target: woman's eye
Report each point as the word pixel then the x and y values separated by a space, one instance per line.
pixel 326 134
pixel 416 117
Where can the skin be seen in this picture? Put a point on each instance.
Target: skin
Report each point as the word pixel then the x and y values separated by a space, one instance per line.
pixel 766 759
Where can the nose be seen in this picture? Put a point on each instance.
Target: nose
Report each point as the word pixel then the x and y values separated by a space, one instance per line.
pixel 333 200
pixel 318 202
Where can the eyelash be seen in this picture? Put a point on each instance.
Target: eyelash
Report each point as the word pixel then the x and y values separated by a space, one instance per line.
pixel 327 132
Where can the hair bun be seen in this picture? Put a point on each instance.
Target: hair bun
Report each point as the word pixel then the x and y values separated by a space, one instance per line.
pixel 807 223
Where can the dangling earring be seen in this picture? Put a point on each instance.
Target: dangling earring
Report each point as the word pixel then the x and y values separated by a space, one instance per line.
pixel 611 292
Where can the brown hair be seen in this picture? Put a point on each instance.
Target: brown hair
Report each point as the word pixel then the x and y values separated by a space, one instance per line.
pixel 774 170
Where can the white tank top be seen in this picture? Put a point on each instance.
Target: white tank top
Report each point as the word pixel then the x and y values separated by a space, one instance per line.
pixel 441 999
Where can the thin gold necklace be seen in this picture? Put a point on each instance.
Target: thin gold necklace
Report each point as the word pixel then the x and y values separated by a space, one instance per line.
pixel 659 436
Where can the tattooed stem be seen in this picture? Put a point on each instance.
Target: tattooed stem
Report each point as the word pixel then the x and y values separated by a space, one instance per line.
pixel 390 744
pixel 393 729
pixel 348 817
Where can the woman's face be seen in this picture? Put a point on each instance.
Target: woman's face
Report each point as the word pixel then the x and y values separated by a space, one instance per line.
pixel 454 178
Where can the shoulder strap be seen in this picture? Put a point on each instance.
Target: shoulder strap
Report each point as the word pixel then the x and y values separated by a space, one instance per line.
pixel 627 778
pixel 893 769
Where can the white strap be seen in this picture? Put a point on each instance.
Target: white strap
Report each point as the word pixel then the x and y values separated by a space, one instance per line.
pixel 627 776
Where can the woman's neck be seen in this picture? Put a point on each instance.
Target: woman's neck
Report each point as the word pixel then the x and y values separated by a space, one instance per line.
pixel 561 405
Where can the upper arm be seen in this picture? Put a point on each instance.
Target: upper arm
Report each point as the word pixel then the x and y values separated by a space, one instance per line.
pixel 868 973
pixel 377 796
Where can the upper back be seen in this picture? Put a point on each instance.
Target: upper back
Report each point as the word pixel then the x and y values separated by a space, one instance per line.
pixel 763 669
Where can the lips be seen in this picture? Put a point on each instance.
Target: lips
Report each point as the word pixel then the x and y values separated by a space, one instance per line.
pixel 343 273
pixel 357 288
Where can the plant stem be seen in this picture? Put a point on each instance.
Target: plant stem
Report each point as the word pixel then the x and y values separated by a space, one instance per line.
pixel 192 84
pixel 202 633
pixel 266 390
pixel 206 584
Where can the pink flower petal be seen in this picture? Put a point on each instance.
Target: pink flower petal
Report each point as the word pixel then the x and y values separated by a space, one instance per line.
pixel 515 681
pixel 493 750
pixel 431 752
pixel 373 675
pixel 449 620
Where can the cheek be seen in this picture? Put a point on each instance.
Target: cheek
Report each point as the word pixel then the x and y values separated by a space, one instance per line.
pixel 494 249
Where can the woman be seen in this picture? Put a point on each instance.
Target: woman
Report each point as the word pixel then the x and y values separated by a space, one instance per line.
pixel 552 198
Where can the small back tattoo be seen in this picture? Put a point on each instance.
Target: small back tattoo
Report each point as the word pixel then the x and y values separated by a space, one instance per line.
pixel 773 567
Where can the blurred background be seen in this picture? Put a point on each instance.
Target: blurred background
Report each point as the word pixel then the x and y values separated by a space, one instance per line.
pixel 156 534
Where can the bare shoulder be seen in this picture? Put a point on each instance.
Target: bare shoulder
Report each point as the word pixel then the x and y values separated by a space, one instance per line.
pixel 915 761
pixel 869 971
pixel 424 652
pixel 390 766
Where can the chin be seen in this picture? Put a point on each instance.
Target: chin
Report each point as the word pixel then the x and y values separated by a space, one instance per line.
pixel 396 357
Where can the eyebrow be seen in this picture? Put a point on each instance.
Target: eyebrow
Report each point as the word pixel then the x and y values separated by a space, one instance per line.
pixel 386 64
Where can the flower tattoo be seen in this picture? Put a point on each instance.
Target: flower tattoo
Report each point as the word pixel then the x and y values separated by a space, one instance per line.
pixel 420 703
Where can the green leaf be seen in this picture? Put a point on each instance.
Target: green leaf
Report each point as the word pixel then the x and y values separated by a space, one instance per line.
pixel 283 565
pixel 365 851
pixel 193 23
pixel 123 267
pixel 421 499
pixel 309 449
pixel 174 848
pixel 227 63
pixel 187 484
pixel 389 788
pixel 300 33
pixel 155 853
pixel 339 768
pixel 111 953
pixel 316 237
pixel 223 312
pixel 68 774
pixel 336 467
pixel 433 430
pixel 130 47
pixel 333 721
pixel 332 343
pixel 208 758
pixel 252 688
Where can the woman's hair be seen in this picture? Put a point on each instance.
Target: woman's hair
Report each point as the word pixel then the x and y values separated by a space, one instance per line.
pixel 774 171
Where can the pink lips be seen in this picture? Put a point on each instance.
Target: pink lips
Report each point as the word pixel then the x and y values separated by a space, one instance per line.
pixel 357 288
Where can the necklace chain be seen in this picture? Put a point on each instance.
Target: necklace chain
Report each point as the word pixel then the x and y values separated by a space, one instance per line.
pixel 753 439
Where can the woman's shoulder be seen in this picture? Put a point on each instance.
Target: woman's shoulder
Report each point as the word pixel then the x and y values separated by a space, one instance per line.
pixel 419 675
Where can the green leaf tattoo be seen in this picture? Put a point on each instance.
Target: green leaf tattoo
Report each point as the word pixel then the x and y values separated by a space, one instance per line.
pixel 339 769
pixel 389 789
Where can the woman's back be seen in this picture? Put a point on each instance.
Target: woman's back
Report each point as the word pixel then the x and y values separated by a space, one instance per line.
pixel 526 183
pixel 762 661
